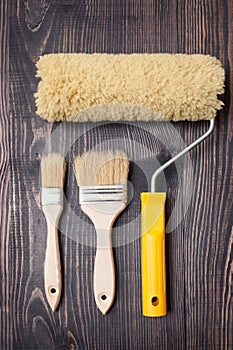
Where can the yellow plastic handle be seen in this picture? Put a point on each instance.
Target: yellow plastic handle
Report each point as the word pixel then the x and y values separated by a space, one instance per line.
pixel 153 254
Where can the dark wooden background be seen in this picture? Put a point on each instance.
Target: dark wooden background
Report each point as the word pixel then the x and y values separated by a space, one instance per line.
pixel 199 250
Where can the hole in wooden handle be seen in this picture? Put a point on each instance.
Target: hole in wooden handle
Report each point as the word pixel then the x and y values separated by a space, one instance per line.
pixel 53 290
pixel 103 297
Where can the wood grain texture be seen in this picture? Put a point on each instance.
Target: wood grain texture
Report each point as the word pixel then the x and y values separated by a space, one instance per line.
pixel 199 250
pixel 6 325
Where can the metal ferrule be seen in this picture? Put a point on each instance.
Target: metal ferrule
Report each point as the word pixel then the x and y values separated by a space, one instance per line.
pixel 52 196
pixel 111 193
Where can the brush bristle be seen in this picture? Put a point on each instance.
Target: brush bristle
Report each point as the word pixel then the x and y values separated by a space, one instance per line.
pixel 101 168
pixel 53 169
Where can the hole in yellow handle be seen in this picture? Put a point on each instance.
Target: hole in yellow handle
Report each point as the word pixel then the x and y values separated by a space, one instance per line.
pixel 53 290
pixel 103 297
pixel 155 301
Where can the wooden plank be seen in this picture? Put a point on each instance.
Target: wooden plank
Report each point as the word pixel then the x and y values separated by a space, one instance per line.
pixel 199 250
pixel 6 325
pixel 208 232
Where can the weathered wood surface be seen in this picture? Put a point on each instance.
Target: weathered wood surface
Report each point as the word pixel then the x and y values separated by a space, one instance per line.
pixel 199 250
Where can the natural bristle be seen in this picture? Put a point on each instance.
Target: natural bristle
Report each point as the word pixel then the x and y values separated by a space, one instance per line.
pixel 53 169
pixel 101 168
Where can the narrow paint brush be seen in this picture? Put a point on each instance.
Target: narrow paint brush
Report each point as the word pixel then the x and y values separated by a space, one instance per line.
pixel 52 177
pixel 102 180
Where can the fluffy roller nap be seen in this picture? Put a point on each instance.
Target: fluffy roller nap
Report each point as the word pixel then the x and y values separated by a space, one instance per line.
pixel 96 87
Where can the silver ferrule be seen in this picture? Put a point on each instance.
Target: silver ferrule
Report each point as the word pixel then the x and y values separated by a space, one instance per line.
pixel 52 196
pixel 111 193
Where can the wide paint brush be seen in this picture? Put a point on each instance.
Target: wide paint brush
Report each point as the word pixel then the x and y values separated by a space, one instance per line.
pixel 102 180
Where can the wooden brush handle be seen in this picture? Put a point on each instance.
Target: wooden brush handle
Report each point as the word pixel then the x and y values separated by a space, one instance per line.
pixel 104 270
pixel 103 217
pixel 52 265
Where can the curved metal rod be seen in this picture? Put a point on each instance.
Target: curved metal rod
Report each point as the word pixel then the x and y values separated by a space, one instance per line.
pixel 181 154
